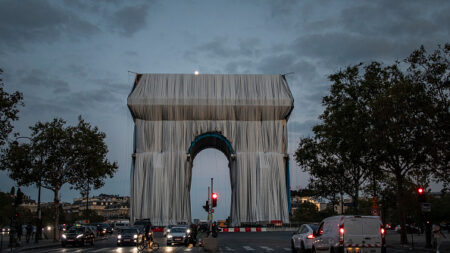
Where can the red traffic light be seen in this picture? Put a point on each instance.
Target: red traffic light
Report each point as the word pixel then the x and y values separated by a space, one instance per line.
pixel 420 190
pixel 214 196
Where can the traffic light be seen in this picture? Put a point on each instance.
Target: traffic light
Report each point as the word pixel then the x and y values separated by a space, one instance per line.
pixel 206 206
pixel 421 194
pixel 420 190
pixel 214 197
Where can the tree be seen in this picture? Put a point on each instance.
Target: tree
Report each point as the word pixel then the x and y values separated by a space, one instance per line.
pixel 90 165
pixel 58 155
pixel 9 104
pixel 306 212
pixel 328 178
pixel 388 120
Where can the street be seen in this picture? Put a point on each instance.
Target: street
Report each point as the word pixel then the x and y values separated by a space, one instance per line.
pixel 233 242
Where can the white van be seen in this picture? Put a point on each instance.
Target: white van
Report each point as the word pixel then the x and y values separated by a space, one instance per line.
pixel 350 234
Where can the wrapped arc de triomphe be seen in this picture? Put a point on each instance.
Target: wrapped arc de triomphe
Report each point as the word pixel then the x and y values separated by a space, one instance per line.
pixel 178 115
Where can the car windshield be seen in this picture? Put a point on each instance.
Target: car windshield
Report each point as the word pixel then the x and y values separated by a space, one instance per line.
pixel 314 226
pixel 76 230
pixel 129 231
pixel 178 230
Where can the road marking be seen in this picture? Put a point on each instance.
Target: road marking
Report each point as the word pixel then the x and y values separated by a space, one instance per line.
pixel 287 249
pixel 266 248
pixel 99 250
pixel 188 249
pixel 229 249
pixel 248 248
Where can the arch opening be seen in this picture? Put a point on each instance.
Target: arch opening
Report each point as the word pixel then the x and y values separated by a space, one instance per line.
pixel 211 140
pixel 210 164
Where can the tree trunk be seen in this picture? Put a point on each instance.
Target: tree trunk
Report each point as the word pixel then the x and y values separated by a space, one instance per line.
pixel 342 203
pixel 401 209
pixel 56 223
pixel 87 205
pixel 356 201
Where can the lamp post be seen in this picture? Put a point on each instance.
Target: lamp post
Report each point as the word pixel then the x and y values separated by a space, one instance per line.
pixel 38 225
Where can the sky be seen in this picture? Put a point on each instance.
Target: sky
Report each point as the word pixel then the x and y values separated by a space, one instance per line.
pixel 72 58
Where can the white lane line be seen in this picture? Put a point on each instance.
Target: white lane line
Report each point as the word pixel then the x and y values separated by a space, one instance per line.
pixel 229 249
pixel 98 250
pixel 248 248
pixel 266 248
pixel 287 249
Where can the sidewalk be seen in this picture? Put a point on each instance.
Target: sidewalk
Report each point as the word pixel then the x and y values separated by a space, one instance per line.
pixel 393 242
pixel 24 246
pixel 44 243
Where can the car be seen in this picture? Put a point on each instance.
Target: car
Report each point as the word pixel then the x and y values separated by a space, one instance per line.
pixel 302 239
pixel 167 230
pixel 6 229
pixel 178 235
pixel 77 235
pixel 127 236
pixel 350 234
pixel 94 230
pixel 103 229
pixel 118 226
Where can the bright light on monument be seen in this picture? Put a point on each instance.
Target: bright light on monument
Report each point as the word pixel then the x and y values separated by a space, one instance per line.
pixel 196 72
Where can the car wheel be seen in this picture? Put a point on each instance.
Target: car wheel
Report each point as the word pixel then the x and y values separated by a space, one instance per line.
pixel 92 242
pixel 293 249
pixel 63 245
pixel 313 250
pixel 169 244
pixel 302 248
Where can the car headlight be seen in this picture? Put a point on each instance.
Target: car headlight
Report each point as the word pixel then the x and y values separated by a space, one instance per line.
pixel 168 230
pixel 169 236
pixel 79 236
pixel 188 231
pixel 63 236
pixel 119 237
pixel 135 236
pixel 184 236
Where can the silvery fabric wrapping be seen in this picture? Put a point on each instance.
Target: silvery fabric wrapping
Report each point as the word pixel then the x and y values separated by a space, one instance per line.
pixel 171 110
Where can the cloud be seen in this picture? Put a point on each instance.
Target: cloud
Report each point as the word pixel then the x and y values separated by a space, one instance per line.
pixel 223 47
pixel 39 79
pixel 31 21
pixel 130 19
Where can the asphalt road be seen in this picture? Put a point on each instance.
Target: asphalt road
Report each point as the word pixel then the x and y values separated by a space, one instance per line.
pixel 233 243
pixel 229 242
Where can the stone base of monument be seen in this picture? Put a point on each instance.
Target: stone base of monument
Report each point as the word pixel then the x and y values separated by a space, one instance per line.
pixel 210 244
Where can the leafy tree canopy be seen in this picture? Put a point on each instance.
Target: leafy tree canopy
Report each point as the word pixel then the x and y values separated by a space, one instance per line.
pixel 9 108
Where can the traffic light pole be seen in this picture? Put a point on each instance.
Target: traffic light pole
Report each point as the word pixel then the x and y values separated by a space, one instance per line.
pixel 211 206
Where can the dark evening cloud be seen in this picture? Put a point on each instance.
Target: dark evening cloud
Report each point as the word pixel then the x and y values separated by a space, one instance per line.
pixel 72 58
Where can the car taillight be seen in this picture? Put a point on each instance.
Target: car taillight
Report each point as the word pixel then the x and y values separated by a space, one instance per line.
pixel 382 232
pixel 341 234
pixel 311 236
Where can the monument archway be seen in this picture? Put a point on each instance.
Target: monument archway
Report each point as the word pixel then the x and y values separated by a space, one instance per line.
pixel 221 157
pixel 178 115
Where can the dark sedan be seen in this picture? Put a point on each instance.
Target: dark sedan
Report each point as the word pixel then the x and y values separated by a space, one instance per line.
pixel 79 235
pixel 127 236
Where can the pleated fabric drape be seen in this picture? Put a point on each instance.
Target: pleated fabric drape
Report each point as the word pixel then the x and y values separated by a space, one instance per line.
pixel 171 110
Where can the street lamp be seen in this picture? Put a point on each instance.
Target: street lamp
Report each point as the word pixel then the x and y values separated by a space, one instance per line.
pixel 38 225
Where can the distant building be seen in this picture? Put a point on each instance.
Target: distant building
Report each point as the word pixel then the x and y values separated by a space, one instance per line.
pixel 108 206
pixel 297 200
